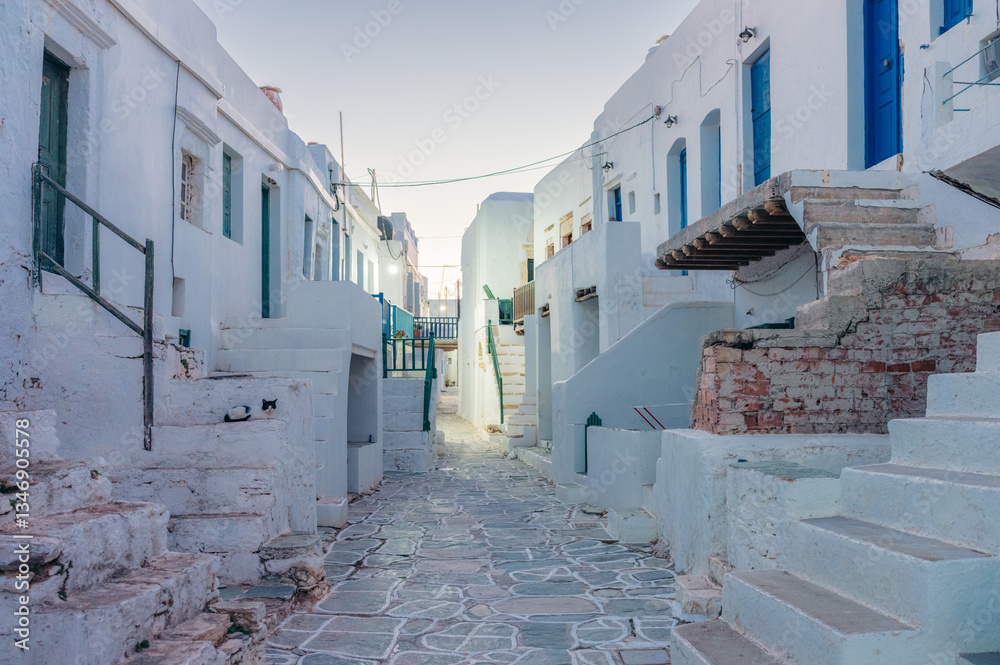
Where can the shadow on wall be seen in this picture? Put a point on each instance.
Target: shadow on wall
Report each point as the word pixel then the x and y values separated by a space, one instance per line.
pixel 655 363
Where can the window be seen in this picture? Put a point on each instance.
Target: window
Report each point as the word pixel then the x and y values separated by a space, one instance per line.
pixel 307 248
pixel 550 250
pixel 189 191
pixel 684 187
pixel 955 11
pixel 227 195
pixel 631 203
pixel 615 204
pixel 371 277
pixel 335 251
pixel 711 164
pixel 347 258
pixel 177 302
pixel 566 229
pixel 760 117
pixel 360 281
pixel 586 224
pixel 656 204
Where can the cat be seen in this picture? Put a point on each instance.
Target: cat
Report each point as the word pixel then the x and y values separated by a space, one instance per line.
pixel 238 414
pixel 268 407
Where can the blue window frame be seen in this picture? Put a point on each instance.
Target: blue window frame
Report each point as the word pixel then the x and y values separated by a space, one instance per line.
pixel 227 195
pixel 760 112
pixel 955 11
pixel 616 204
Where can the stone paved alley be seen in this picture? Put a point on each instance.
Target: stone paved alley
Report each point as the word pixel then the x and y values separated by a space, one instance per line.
pixel 478 562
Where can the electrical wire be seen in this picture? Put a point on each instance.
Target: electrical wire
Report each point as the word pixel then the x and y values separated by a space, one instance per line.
pixel 519 169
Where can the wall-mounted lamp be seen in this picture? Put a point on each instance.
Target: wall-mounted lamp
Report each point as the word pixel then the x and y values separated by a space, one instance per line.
pixel 393 270
pixel 670 121
pixel 608 166
pixel 748 34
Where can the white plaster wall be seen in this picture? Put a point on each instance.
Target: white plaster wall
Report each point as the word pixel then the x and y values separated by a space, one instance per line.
pixel 638 371
pixel 691 481
pixel 620 463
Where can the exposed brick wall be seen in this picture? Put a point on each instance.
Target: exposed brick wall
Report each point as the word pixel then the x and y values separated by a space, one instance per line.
pixel 855 377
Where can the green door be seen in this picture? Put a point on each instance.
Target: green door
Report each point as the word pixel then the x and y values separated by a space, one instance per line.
pixel 265 253
pixel 52 152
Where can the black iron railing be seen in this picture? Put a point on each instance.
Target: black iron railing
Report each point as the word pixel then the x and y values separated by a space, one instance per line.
pixel 43 261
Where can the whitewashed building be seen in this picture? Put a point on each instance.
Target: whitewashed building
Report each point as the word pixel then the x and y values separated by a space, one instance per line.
pixel 258 293
pixel 770 161
pixel 491 355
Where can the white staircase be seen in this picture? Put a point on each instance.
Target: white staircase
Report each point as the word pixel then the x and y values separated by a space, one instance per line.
pixel 102 581
pixel 521 428
pixel 320 355
pixel 907 574
pixel 405 445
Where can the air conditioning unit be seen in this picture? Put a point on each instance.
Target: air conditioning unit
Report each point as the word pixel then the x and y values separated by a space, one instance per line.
pixel 991 59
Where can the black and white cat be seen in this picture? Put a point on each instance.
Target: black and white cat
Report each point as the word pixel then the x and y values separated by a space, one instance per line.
pixel 241 414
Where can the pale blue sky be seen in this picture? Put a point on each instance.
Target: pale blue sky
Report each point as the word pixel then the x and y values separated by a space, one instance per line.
pixel 550 66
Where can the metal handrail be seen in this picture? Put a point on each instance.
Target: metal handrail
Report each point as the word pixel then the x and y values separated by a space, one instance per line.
pixel 42 259
pixel 406 354
pixel 968 84
pixel 442 327
pixel 429 376
pixel 492 348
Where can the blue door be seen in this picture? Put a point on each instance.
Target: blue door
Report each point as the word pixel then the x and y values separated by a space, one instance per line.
pixel 883 81
pixel 955 11
pixel 760 113
pixel 684 187
pixel 265 252
pixel 618 204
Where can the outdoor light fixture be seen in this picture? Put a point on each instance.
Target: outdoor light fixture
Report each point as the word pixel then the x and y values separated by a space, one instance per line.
pixel 748 34
pixel 608 166
pixel 670 121
pixel 393 270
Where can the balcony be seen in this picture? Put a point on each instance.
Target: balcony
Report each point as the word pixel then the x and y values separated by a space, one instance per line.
pixel 443 328
pixel 524 305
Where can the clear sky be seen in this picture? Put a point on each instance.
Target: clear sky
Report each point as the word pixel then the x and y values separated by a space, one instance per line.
pixel 538 73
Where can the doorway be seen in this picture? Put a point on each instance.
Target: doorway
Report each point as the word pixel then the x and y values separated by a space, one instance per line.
pixel 52 153
pixel 883 82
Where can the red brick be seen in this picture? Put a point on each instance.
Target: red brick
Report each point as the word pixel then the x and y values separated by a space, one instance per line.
pixel 897 368
pixel 873 366
pixel 727 354
pixel 759 388
pixel 924 366
pixel 770 419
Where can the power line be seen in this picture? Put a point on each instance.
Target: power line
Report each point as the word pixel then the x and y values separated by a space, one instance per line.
pixel 519 169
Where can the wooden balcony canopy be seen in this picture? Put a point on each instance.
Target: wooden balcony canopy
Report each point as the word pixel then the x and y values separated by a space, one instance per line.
pixel 747 229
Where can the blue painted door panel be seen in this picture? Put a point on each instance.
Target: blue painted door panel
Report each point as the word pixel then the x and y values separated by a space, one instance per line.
pixel 883 81
pixel 684 188
pixel 760 112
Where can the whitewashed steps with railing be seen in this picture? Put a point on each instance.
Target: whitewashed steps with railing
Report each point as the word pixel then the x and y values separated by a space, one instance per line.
pixel 715 643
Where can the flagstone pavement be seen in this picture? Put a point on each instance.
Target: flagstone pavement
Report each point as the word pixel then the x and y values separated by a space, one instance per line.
pixel 477 562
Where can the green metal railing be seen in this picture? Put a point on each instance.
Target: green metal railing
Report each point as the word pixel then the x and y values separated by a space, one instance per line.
pixel 44 262
pixel 429 375
pixel 492 347
pixel 407 354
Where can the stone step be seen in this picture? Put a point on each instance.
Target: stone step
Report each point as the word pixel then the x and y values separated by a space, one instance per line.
pixel 698 596
pixel 953 506
pixel 271 360
pixel 103 624
pixel 285 338
pixel 632 526
pixel 415 460
pixel 715 643
pixel 234 538
pixel 920 581
pixel 799 194
pixel 835 235
pixel 834 312
pixel 98 542
pixel 399 387
pixel 174 652
pixel 403 404
pixel 971 395
pixel 934 442
pixel 411 440
pixel 887 212
pixel 396 421
pixel 988 353
pixel 364 466
pixel 803 623
pixel 58 486
pixel 324 382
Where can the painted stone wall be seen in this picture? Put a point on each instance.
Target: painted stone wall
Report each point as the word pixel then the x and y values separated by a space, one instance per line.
pixel 858 360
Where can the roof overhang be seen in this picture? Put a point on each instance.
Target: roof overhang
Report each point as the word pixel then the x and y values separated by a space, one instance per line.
pixel 747 229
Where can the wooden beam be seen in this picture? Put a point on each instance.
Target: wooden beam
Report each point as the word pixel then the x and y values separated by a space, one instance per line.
pixel 776 207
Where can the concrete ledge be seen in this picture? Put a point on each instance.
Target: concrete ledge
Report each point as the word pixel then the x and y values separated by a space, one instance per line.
pixel 698 596
pixel 331 511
